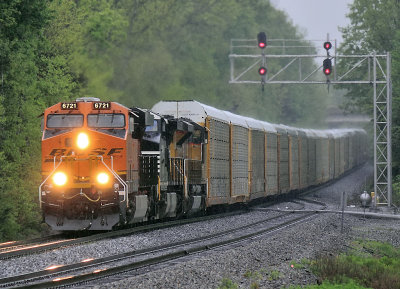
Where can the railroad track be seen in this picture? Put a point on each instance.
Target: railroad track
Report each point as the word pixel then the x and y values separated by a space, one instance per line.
pixel 15 245
pixel 93 270
pixel 16 249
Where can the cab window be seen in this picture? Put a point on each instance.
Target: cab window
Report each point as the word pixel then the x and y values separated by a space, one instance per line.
pixel 197 137
pixel 64 120
pixel 106 120
pixel 152 128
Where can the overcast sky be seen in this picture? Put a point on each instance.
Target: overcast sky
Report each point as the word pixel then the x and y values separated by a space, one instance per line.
pixel 317 17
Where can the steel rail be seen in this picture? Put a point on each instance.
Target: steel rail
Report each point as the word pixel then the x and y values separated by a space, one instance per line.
pixel 32 249
pixel 22 252
pixel 72 280
pixel 10 244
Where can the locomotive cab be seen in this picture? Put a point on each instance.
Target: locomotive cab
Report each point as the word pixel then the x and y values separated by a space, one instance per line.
pixel 89 165
pixel 171 167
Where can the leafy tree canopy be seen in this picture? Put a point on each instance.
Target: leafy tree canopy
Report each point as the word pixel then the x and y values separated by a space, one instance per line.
pixel 375 26
pixel 136 52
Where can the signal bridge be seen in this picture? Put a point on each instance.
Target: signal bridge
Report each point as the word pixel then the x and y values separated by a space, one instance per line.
pixel 293 61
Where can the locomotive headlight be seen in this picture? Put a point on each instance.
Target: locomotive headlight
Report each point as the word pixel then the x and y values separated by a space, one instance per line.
pixel 83 140
pixel 59 178
pixel 103 178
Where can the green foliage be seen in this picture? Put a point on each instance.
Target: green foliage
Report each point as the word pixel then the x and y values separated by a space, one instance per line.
pixel 370 264
pixel 295 265
pixel 375 26
pixel 396 191
pixel 135 52
pixel 32 78
pixel 252 275
pixel 274 275
pixel 327 285
pixel 254 285
pixel 227 283
pixel 139 52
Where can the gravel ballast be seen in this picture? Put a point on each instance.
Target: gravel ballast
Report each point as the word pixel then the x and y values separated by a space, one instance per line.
pixel 267 260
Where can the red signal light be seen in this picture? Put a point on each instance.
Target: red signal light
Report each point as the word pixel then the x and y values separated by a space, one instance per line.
pixel 327 66
pixel 327 45
pixel 262 40
pixel 327 71
pixel 262 71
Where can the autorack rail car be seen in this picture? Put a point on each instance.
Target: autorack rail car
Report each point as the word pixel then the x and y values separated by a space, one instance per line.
pixel 105 165
pixel 246 158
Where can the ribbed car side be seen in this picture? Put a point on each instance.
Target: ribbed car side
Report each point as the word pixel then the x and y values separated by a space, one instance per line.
pixel 246 159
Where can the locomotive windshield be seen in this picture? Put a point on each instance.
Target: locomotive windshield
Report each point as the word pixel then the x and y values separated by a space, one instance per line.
pixel 64 120
pixel 106 120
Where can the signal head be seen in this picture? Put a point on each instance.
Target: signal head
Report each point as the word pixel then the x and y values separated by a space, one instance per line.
pixel 327 71
pixel 262 70
pixel 327 66
pixel 262 40
pixel 327 45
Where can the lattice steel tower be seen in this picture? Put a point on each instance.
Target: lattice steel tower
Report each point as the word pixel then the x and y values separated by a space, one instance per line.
pixel 370 69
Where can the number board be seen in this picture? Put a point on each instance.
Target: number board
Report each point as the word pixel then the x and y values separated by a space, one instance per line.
pixel 101 105
pixel 69 105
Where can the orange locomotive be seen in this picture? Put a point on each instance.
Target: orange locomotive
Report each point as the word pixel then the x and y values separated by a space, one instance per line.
pixel 88 159
pixel 105 165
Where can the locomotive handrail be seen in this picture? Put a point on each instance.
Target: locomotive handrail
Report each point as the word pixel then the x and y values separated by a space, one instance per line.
pixel 118 178
pixel 45 180
pixel 176 166
pixel 177 175
pixel 102 160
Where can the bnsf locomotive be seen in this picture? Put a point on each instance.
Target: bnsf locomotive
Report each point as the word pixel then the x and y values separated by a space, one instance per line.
pixel 105 165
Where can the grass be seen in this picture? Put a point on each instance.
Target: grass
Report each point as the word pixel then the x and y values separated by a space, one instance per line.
pixel 301 265
pixel 227 283
pixel 252 275
pixel 369 264
pixel 327 285
pixel 254 278
pixel 274 275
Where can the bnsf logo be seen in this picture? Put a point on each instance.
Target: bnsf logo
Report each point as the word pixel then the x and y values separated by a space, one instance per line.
pixel 94 152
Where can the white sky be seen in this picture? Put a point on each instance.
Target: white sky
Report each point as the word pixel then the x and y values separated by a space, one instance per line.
pixel 317 17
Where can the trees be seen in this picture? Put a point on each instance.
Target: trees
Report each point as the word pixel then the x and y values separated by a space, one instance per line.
pixel 133 51
pixel 32 77
pixel 375 26
pixel 139 52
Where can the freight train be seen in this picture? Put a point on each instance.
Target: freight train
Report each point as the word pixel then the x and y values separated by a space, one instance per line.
pixel 105 165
